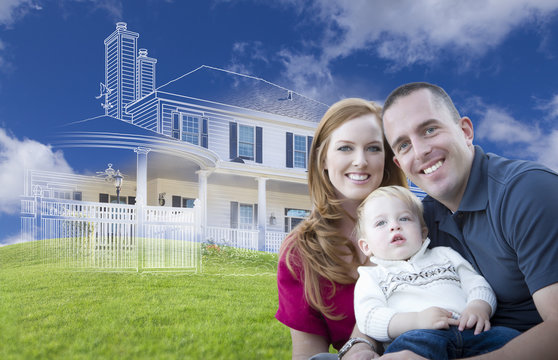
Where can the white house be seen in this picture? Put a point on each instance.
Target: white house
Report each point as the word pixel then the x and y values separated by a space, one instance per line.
pixel 237 143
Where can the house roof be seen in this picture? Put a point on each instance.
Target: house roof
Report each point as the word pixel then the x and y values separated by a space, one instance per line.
pixel 230 88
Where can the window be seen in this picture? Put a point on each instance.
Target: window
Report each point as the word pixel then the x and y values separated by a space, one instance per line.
pixel 63 195
pixel 103 198
pixel 188 203
pixel 298 148
pixel 300 151
pixel 77 195
pixel 243 216
pixel 246 142
pixel 191 129
pixel 179 201
pixel 246 216
pixel 186 127
pixel 293 217
pixel 123 199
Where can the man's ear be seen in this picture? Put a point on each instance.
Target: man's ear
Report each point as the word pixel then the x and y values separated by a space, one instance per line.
pixel 466 126
pixel 363 245
pixel 396 161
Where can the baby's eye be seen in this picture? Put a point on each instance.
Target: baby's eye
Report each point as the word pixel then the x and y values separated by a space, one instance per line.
pixel 405 218
pixel 380 223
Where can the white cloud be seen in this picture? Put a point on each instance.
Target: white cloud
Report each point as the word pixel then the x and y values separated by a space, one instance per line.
pixel 12 10
pixel 498 126
pixel 16 156
pixel 531 142
pixel 407 32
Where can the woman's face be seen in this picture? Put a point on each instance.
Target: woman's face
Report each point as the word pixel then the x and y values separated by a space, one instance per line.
pixel 355 158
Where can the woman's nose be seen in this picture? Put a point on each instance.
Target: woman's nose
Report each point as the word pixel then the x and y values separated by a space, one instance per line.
pixel 359 158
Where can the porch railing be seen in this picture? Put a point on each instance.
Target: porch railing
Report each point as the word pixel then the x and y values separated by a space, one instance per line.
pixel 109 236
pixel 118 236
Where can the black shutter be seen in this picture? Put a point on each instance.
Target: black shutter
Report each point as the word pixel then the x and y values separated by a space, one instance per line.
pixel 131 200
pixel 255 216
pixel 309 140
pixel 176 201
pixel 204 133
pixel 289 150
pixel 259 138
pixel 234 215
pixel 104 198
pixel 232 140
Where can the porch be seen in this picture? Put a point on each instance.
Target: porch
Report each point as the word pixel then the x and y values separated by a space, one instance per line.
pixel 118 236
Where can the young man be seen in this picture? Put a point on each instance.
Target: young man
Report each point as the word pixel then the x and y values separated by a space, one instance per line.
pixel 499 214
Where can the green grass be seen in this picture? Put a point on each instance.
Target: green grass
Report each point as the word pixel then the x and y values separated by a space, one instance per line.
pixel 225 312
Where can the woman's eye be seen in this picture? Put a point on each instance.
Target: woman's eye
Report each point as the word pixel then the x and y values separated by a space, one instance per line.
pixel 374 148
pixel 344 148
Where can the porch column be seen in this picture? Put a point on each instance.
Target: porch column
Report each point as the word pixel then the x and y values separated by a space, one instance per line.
pixel 141 178
pixel 141 193
pixel 202 196
pixel 261 212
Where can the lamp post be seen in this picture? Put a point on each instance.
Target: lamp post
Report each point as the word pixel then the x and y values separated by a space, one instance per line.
pixel 118 183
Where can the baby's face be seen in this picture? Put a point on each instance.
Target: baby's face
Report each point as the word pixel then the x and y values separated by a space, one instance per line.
pixel 393 231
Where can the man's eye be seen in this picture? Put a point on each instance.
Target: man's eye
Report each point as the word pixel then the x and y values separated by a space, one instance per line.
pixel 403 146
pixel 430 130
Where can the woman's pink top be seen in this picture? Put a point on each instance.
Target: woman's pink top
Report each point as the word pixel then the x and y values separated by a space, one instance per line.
pixel 297 314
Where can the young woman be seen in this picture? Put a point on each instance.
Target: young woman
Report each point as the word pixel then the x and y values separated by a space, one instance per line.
pixel 317 270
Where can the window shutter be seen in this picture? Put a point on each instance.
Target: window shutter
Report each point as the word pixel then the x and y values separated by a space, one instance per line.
pixel 309 140
pixel 176 201
pixel 259 138
pixel 256 216
pixel 289 150
pixel 234 215
pixel 232 140
pixel 103 198
pixel 131 200
pixel 204 133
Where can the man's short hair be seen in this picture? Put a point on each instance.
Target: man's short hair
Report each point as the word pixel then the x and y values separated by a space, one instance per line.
pixel 439 97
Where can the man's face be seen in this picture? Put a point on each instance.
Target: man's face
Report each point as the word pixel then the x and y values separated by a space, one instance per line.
pixel 433 150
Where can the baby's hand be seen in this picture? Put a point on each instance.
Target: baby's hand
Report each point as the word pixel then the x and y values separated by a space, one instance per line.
pixel 476 313
pixel 435 318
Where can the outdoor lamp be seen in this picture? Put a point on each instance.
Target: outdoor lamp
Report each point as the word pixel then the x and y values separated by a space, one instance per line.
pixel 118 183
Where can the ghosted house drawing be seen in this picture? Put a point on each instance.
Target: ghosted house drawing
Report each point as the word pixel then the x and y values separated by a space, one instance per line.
pixel 234 146
pixel 237 143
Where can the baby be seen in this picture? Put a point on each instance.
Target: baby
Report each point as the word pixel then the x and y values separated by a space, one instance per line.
pixel 429 301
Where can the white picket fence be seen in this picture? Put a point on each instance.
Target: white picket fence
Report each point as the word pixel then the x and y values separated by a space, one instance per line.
pixel 113 236
pixel 117 236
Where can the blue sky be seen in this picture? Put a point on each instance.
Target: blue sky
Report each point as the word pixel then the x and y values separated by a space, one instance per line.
pixel 497 59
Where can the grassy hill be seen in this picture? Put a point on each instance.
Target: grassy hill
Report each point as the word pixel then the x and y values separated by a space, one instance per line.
pixel 225 312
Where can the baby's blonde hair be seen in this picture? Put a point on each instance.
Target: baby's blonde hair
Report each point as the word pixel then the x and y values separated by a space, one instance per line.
pixel 413 203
